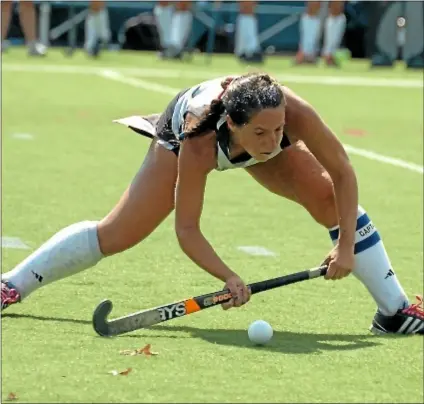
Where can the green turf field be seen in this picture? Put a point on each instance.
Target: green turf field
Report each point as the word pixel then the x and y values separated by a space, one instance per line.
pixel 77 164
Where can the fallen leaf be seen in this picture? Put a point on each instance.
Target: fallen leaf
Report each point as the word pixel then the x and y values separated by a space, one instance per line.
pixel 125 372
pixel 140 351
pixel 12 397
pixel 146 350
pixel 122 373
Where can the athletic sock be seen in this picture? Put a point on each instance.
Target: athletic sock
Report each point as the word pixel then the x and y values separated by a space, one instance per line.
pixel 104 27
pixel 181 28
pixel 310 30
pixel 163 16
pixel 333 34
pixel 68 252
pixel 373 267
pixel 247 40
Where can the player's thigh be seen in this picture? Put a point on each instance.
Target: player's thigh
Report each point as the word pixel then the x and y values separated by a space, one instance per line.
pixel 6 6
pixel 247 7
pixel 25 5
pixel 313 7
pixel 146 202
pixel 96 6
pixel 336 7
pixel 183 5
pixel 296 174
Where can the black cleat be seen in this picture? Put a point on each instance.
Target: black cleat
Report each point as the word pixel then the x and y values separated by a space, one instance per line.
pixel 405 321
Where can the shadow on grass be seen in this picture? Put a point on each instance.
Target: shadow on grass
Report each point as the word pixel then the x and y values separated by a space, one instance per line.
pixel 283 341
pixel 43 318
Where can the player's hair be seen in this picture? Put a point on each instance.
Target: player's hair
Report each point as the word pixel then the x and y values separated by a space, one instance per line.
pixel 242 98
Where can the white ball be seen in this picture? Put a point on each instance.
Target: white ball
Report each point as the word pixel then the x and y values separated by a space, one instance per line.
pixel 260 332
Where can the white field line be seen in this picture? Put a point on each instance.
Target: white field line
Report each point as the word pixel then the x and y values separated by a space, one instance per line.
pixel 13 242
pixel 205 74
pixel 148 85
pixel 257 251
pixel 384 159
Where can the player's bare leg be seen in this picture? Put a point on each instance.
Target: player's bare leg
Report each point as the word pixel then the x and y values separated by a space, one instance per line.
pixel 97 30
pixel 297 175
pixel 247 46
pixel 310 28
pixel 335 25
pixel 143 206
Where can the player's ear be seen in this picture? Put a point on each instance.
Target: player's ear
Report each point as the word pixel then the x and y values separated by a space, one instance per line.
pixel 230 123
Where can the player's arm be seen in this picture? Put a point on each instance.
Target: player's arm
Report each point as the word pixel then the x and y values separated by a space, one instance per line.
pixel 328 150
pixel 196 159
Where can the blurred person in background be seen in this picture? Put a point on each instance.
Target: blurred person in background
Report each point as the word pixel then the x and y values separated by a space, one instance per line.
pixel 174 21
pixel 310 32
pixel 247 46
pixel 384 30
pixel 28 21
pixel 97 28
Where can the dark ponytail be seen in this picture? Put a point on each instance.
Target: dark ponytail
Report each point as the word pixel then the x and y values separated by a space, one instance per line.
pixel 208 122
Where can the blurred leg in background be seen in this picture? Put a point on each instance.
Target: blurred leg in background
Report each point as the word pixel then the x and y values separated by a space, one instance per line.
pixel 383 32
pixel 28 21
pixel 413 50
pixel 163 13
pixel 310 30
pixel 247 46
pixel 182 19
pixel 334 29
pixel 97 28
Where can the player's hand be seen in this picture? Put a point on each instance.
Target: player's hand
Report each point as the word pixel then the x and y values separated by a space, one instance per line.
pixel 340 263
pixel 240 292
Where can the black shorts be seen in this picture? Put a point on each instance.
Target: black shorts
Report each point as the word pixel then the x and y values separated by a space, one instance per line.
pixel 164 124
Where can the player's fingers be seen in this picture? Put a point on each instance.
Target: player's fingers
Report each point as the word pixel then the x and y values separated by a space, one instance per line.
pixel 246 294
pixel 331 271
pixel 227 305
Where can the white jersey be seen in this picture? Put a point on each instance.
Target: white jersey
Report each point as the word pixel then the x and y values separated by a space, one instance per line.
pixel 196 100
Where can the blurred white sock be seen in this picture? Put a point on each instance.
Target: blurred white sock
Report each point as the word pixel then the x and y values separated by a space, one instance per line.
pixel 246 40
pixel 310 30
pixel 163 16
pixel 181 28
pixel 104 27
pixel 91 31
pixel 333 34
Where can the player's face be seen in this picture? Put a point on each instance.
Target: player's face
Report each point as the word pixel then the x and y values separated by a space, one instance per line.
pixel 262 134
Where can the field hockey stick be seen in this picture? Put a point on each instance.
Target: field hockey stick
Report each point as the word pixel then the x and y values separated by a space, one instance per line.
pixel 149 317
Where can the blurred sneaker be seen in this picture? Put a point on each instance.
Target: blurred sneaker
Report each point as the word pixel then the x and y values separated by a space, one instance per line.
pixel 94 50
pixel 301 59
pixel 416 62
pixel 331 61
pixel 37 49
pixel 255 57
pixel 381 60
pixel 5 45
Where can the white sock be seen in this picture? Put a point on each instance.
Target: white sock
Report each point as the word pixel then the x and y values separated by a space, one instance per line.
pixel 92 30
pixel 69 251
pixel 373 267
pixel 247 40
pixel 104 27
pixel 181 28
pixel 310 30
pixel 333 35
pixel 163 16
